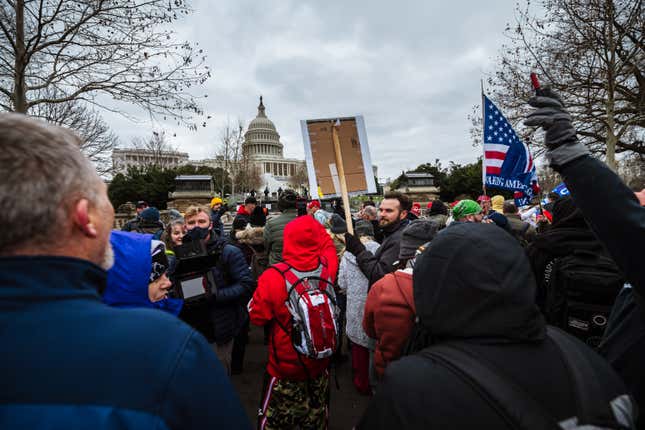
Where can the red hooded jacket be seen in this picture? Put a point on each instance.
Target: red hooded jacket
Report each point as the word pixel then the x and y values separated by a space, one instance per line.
pixel 389 317
pixel 306 243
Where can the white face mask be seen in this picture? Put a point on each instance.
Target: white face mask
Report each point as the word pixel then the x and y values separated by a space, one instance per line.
pixel 108 257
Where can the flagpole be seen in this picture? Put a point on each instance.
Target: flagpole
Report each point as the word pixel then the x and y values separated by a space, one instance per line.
pixel 481 82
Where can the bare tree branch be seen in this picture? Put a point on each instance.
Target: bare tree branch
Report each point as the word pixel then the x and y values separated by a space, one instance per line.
pixel 79 49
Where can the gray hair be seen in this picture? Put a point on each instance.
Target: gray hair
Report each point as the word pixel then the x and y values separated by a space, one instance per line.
pixel 43 171
pixel 370 211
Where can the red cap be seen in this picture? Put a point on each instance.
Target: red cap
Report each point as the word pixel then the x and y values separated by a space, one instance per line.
pixel 416 205
pixel 313 203
pixel 483 198
pixel 429 205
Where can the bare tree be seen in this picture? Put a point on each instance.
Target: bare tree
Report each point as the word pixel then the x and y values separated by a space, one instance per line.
pixel 98 140
pixel 156 149
pixel 231 152
pixel 57 51
pixel 590 51
pixel 300 178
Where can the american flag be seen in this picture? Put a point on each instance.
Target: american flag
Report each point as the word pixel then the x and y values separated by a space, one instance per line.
pixel 500 142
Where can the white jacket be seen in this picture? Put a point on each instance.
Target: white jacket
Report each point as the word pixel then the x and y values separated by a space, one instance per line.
pixel 352 280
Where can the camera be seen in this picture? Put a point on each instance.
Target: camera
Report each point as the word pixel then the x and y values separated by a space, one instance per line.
pixel 192 278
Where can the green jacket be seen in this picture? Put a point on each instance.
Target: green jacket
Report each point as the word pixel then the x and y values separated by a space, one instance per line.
pixel 273 234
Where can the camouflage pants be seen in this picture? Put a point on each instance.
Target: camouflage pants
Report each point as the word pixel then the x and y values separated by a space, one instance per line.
pixel 294 404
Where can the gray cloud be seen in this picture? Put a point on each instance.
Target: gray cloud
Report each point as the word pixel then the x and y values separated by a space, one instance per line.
pixel 412 68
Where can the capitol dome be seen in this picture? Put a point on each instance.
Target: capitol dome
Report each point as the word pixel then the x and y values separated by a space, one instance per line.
pixel 261 139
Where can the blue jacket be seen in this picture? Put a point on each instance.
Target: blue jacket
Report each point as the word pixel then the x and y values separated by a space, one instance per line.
pixel 128 279
pixel 235 287
pixel 69 361
pixel 216 219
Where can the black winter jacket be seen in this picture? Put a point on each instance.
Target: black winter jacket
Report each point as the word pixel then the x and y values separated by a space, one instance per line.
pixel 474 285
pixel 235 287
pixel 375 266
pixel 568 233
pixel 619 222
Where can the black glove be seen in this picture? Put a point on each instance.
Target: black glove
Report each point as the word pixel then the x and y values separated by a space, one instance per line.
pixel 353 244
pixel 560 136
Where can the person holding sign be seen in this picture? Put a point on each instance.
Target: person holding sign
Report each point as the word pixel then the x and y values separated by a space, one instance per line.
pixel 392 220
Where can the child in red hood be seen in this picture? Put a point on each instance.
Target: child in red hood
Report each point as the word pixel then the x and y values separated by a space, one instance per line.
pixel 296 387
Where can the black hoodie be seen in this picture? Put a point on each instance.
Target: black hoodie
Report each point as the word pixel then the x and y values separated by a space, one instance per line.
pixel 474 284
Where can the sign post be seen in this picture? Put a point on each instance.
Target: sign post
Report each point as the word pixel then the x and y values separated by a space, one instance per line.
pixel 341 176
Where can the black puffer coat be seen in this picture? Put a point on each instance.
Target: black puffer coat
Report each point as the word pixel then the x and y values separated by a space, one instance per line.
pixel 235 288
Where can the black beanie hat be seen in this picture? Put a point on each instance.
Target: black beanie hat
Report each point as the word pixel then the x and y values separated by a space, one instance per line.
pixel 258 218
pixel 160 264
pixel 417 233
pixel 438 208
pixel 337 224
pixel 287 200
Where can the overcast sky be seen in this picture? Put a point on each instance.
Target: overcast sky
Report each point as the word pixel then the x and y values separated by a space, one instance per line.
pixel 411 68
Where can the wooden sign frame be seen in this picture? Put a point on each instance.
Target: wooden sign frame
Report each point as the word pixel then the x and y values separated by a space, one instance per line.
pixel 321 157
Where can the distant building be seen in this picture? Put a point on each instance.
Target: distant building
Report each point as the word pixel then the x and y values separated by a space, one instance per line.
pixel 122 159
pixel 418 186
pixel 263 148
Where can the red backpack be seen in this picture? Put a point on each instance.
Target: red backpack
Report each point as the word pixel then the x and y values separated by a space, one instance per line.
pixel 311 301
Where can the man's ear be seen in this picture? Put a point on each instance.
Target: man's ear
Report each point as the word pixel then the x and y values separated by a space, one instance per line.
pixel 81 218
pixel 403 215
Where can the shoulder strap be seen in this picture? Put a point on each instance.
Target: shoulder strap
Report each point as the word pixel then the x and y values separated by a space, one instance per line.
pixel 510 401
pixel 592 405
pixel 281 268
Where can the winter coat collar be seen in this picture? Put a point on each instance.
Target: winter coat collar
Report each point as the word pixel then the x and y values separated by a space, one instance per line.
pixel 32 279
pixel 394 227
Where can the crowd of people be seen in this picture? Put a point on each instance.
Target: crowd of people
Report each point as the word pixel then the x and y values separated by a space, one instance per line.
pixel 469 314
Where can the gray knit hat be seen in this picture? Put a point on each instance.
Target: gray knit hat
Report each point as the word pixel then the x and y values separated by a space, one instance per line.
pixel 364 228
pixel 416 234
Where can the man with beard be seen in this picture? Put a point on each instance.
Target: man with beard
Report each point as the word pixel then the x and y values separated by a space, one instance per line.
pixel 68 360
pixel 392 219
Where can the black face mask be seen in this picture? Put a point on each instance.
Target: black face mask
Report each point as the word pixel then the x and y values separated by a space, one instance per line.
pixel 196 233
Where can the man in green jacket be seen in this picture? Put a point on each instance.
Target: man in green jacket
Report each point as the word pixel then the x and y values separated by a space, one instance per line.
pixel 274 229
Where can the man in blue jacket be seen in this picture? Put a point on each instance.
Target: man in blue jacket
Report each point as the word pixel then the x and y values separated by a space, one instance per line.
pixel 68 360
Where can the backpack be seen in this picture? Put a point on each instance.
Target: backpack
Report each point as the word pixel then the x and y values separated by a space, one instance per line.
pixel 311 301
pixel 259 262
pixel 580 291
pixel 518 409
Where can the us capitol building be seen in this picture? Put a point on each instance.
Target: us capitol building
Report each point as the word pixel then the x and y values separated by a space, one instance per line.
pixel 263 148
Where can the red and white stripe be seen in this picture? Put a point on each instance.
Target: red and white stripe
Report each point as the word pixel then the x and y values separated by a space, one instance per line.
pixel 265 403
pixel 494 156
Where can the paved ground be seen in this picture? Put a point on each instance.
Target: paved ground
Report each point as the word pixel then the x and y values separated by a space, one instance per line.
pixel 346 404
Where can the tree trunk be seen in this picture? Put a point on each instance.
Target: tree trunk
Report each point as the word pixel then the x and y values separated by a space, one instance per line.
pixel 19 90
